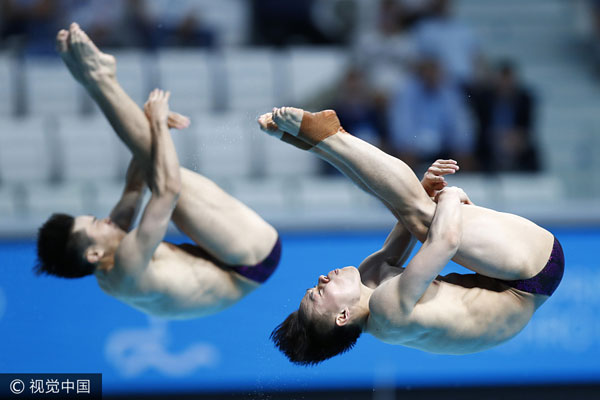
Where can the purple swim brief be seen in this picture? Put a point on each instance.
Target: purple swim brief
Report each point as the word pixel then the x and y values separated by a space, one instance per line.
pixel 263 270
pixel 548 279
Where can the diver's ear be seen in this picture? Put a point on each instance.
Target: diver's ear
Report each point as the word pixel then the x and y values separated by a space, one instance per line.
pixel 343 317
pixel 94 254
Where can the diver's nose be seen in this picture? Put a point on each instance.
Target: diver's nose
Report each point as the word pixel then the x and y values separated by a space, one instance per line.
pixel 323 279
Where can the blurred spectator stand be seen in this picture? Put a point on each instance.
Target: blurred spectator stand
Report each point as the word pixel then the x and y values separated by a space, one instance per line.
pixel 455 43
pixel 386 51
pixel 429 119
pixel 505 119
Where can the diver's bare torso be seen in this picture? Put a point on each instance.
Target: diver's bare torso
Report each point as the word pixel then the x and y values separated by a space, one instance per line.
pixel 465 313
pixel 458 314
pixel 180 282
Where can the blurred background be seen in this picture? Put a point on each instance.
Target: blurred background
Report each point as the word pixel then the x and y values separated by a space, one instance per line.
pixel 510 89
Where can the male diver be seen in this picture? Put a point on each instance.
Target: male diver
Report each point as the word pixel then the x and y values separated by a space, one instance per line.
pixel 235 250
pixel 517 264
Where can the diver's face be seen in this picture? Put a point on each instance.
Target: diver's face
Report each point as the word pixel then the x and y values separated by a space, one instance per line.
pixel 334 292
pixel 100 231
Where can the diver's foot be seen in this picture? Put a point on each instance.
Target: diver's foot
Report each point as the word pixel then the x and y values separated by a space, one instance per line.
pixel 288 119
pixel 268 126
pixel 309 127
pixel 62 47
pixel 87 64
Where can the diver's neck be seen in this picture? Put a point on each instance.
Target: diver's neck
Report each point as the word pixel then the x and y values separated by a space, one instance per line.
pixel 106 265
pixel 361 309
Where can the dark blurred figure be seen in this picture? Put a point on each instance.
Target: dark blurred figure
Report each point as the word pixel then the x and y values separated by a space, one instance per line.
pixel 594 6
pixel 191 32
pixel 387 52
pixel 335 19
pixel 504 113
pixel 13 20
pixel 104 20
pixel 415 10
pixel 117 23
pixel 146 24
pixel 441 32
pixel 355 106
pixel 280 23
pixel 140 25
pixel 179 24
pixel 429 119
pixel 33 23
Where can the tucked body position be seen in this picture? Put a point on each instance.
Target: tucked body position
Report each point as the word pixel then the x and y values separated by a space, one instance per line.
pixel 234 250
pixel 517 264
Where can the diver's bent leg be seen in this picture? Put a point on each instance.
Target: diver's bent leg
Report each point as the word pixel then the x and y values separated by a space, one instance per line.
pixel 96 72
pixel 221 224
pixel 495 244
